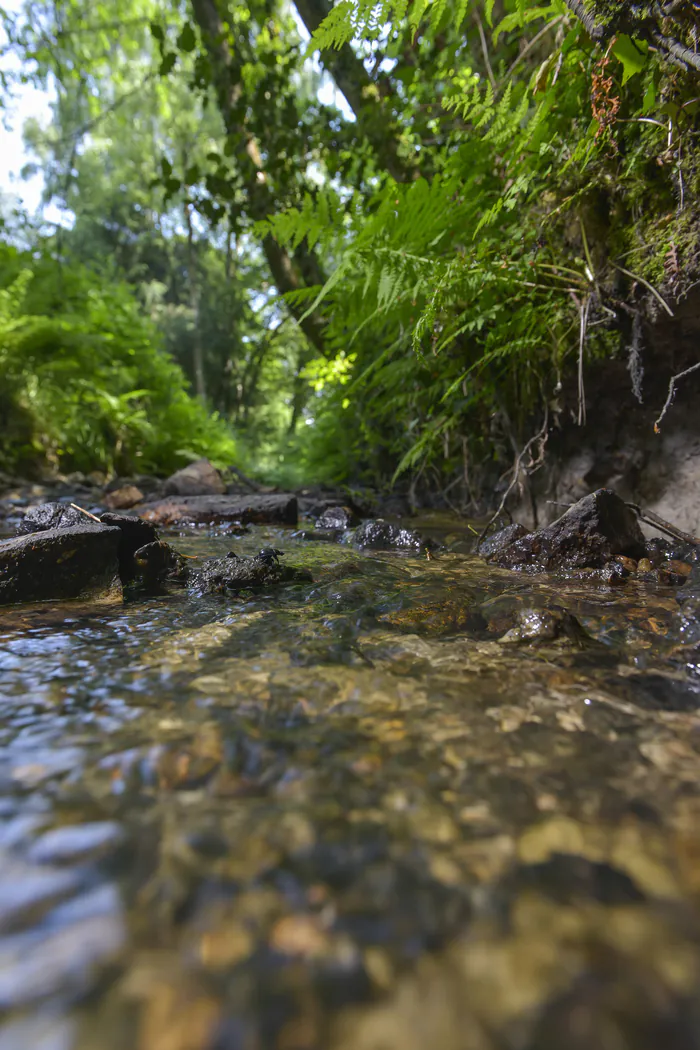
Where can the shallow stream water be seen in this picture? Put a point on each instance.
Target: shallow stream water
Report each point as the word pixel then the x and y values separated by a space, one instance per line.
pixel 345 814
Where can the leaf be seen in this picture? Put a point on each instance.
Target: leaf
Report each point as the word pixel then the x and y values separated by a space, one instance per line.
pixel 168 63
pixel 649 97
pixel 632 55
pixel 490 4
pixel 186 40
pixel 157 32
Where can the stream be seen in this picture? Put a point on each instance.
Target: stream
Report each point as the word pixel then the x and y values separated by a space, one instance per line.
pixel 346 815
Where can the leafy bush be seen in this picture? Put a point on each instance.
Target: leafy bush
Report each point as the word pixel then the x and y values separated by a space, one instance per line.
pixel 86 383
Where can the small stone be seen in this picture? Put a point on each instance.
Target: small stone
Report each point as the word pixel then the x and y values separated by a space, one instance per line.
pixel 200 478
pixel 381 535
pixel 124 498
pixel 644 565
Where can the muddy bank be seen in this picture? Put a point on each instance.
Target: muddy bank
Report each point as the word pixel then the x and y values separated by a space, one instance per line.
pixel 618 447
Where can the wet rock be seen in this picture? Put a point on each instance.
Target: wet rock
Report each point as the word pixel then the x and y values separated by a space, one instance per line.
pixel 494 545
pixel 124 498
pixel 157 562
pixel 50 516
pixel 234 573
pixel 278 509
pixel 81 561
pixel 135 533
pixel 588 535
pixel 318 535
pixel 337 518
pixel 383 536
pixel 200 478
pixel 543 625
pixel 73 842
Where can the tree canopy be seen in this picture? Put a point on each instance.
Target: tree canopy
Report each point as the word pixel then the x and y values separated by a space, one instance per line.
pixel 372 239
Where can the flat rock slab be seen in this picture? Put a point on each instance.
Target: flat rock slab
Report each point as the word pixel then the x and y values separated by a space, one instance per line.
pixel 77 562
pixel 278 509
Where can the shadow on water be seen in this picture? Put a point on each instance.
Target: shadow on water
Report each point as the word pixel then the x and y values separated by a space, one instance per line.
pixel 411 804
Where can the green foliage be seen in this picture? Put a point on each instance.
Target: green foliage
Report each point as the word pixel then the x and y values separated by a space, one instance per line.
pixel 482 267
pixel 495 184
pixel 86 382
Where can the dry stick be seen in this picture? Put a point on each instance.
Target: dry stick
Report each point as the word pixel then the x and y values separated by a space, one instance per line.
pixel 672 393
pixel 636 277
pixel 541 435
pixel 581 344
pixel 662 525
pixel 528 47
pixel 86 513
pixel 485 51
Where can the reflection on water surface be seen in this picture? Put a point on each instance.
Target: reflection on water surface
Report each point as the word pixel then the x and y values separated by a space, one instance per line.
pixel 346 815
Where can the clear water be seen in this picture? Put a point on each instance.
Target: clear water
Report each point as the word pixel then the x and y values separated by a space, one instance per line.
pixel 345 815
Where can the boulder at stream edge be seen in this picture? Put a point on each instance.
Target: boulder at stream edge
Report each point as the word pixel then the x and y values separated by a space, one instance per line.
pixel 588 536
pixel 80 561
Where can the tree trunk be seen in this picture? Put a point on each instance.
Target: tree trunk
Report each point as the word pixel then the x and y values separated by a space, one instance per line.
pixel 197 353
pixel 227 82
pixel 363 94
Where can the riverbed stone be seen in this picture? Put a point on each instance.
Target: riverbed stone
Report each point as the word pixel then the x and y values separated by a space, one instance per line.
pixel 338 517
pixel 235 573
pixel 76 562
pixel 277 509
pixel 200 478
pixel 383 535
pixel 587 536
pixel 124 498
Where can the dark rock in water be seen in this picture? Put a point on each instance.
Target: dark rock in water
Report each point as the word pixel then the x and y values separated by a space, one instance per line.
pixel 534 626
pixel 337 518
pixel 234 573
pixel 319 535
pixel 197 479
pixel 73 562
pixel 135 533
pixel 591 532
pixel 278 509
pixel 157 562
pixel 381 535
pixel 51 516
pixel 493 545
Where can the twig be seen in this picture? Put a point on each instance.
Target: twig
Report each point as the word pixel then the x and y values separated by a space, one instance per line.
pixel 671 394
pixel 86 513
pixel 581 344
pixel 540 436
pixel 529 46
pixel 636 277
pixel 662 525
pixel 485 50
